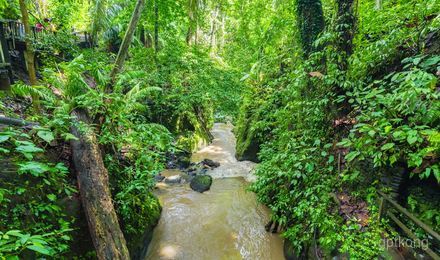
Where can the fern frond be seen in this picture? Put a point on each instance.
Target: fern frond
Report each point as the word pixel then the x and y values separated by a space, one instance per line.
pixel 138 92
pixel 22 90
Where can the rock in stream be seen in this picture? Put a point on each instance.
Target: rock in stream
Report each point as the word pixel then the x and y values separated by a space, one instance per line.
pixel 201 183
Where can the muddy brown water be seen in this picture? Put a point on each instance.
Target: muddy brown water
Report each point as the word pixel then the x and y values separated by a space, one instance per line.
pixel 225 222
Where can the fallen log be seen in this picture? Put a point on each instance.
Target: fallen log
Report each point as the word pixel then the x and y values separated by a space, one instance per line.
pixel 93 183
pixel 15 122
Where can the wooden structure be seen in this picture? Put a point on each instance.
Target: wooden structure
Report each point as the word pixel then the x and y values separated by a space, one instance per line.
pixel 5 62
pixel 13 33
pixel 387 202
pixel 13 44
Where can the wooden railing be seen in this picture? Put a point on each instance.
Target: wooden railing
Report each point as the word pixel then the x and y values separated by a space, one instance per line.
pixel 386 201
pixel 13 31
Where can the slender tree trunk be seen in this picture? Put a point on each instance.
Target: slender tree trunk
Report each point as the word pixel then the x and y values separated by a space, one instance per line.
pixel 196 34
pixel 191 35
pixel 347 26
pixel 148 40
pixel 378 4
pixel 142 36
pixel 156 26
pixel 29 52
pixel 93 183
pixel 222 42
pixel 213 31
pixel 123 50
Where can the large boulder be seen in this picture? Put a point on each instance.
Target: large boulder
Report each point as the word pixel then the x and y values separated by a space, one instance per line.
pixel 201 183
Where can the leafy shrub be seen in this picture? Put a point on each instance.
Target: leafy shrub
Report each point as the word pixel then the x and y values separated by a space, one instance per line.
pixel 32 192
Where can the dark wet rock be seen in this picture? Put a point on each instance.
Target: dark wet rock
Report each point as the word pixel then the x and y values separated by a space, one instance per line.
pixel 202 167
pixel 184 163
pixel 210 163
pixel 173 179
pixel 187 178
pixel 201 183
pixel 179 160
pixel 159 177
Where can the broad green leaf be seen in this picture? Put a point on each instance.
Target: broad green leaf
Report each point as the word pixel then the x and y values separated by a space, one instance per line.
pixel 15 233
pixel 51 197
pixel 388 129
pixel 310 167
pixel 40 249
pixel 69 136
pixel 437 173
pixel 46 135
pixel 28 149
pixel 412 137
pixel 34 168
pixel 387 146
pixel 398 134
pixel 352 155
pixel 4 138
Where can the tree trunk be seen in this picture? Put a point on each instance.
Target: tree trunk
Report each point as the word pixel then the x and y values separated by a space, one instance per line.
pixel 346 22
pixel 123 50
pixel 213 31
pixel 93 183
pixel 16 122
pixel 310 22
pixel 378 4
pixel 223 32
pixel 191 35
pixel 156 26
pixel 29 52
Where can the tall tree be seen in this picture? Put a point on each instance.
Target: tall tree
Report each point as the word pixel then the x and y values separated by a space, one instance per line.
pixel 378 4
pixel 345 27
pixel 310 22
pixel 191 36
pixel 128 38
pixel 29 52
pixel 99 18
pixel 156 26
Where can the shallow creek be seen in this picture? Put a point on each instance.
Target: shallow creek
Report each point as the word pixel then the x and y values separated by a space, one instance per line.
pixel 225 222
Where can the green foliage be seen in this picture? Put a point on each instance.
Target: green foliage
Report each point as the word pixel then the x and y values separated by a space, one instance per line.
pixel 33 220
pixel 311 20
pixel 399 119
pixel 9 9
pixel 55 47
pixel 424 204
pixel 376 108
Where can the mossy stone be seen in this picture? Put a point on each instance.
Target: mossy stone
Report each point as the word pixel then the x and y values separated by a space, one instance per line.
pixel 201 183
